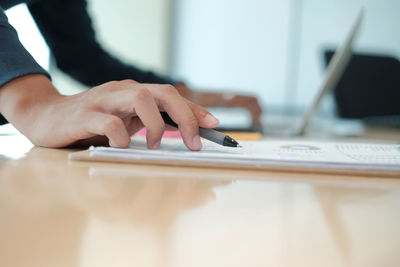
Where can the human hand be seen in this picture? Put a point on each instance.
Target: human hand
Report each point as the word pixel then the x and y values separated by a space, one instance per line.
pixel 114 110
pixel 215 99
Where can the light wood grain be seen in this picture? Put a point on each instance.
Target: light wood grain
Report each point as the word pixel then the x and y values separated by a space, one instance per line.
pixel 54 212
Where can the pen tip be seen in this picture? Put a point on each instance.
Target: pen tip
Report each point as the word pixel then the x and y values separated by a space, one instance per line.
pixel 229 141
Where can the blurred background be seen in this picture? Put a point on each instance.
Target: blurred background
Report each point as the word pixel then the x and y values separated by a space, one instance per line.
pixel 272 49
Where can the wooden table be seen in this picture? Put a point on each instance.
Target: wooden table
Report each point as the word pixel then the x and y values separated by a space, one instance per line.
pixel 59 213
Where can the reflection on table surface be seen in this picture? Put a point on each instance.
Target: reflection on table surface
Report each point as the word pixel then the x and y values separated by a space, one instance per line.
pixel 59 213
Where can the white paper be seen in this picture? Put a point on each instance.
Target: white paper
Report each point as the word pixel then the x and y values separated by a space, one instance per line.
pixel 270 152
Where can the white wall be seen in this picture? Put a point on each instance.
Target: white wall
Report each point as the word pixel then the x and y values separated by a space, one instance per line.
pixel 137 31
pixel 253 45
pixel 28 33
pixel 245 45
pixel 232 44
pixel 326 23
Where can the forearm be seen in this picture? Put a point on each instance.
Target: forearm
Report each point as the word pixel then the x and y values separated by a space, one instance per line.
pixel 15 61
pixel 75 39
pixel 97 67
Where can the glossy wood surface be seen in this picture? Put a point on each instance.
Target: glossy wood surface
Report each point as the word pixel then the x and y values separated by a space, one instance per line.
pixel 59 213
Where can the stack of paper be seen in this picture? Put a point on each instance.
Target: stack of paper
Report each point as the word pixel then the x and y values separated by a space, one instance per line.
pixel 285 153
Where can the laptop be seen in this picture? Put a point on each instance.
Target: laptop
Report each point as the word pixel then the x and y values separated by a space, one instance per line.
pixel 334 72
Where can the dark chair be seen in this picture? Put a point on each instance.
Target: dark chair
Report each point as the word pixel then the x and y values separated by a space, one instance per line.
pixel 370 87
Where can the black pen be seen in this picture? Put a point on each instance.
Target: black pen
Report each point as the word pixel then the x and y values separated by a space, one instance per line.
pixel 209 134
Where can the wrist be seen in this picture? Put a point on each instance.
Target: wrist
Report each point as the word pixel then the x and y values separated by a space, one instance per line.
pixel 24 92
pixel 22 100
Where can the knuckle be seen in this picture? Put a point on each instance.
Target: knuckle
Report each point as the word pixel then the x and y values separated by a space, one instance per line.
pixel 143 94
pixel 192 121
pixel 128 82
pixel 201 112
pixel 109 86
pixel 113 124
pixel 111 83
pixel 169 90
pixel 197 110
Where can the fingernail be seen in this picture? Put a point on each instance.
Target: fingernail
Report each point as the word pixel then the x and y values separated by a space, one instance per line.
pixel 111 143
pixel 157 145
pixel 211 119
pixel 196 145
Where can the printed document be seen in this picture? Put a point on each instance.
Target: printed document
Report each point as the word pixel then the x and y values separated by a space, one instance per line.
pixel 363 156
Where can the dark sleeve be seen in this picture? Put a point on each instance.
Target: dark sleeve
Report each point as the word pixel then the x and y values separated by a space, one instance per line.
pixel 67 28
pixel 15 61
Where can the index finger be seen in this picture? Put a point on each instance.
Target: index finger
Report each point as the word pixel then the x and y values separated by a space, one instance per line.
pixel 172 102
